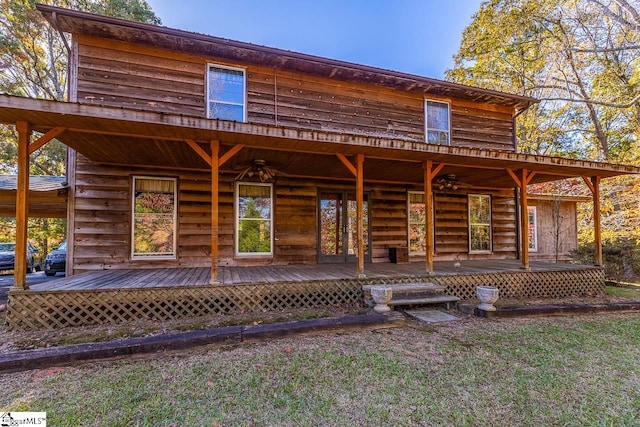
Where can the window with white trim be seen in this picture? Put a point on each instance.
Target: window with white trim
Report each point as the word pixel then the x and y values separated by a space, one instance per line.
pixel 254 218
pixel 226 94
pixel 153 234
pixel 437 122
pixel 532 222
pixel 479 223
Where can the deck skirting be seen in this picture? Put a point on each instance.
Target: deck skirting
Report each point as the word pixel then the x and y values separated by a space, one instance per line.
pixel 50 309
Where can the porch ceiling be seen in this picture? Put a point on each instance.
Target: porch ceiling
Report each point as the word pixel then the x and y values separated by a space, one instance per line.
pixel 133 137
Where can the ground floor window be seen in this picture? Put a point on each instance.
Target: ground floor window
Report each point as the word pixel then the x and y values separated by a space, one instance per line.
pixel 417 223
pixel 154 218
pixel 479 223
pixel 254 219
pixel 532 227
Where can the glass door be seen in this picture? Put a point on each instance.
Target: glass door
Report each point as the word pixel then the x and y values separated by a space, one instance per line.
pixel 338 227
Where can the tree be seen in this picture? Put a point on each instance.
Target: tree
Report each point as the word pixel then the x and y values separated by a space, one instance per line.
pixel 580 57
pixel 33 63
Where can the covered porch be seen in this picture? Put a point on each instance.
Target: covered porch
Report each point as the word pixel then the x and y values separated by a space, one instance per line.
pixel 110 296
pixel 176 144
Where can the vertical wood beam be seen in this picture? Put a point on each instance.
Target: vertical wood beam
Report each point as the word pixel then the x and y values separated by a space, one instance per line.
pixel 360 211
pixel 215 224
pixel 428 207
pixel 22 206
pixel 597 224
pixel 524 220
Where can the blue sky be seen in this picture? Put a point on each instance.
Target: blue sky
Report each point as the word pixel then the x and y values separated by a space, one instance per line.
pixel 413 36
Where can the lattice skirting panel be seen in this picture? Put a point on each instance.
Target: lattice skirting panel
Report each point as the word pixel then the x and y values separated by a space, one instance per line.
pixel 34 309
pixel 528 284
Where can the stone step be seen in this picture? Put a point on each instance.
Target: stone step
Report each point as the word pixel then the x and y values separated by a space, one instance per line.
pixel 417 300
pixel 415 294
pixel 408 290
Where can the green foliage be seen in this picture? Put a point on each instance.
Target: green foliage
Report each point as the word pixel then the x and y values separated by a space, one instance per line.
pixel 253 233
pixel 33 63
pixel 44 233
pixel 621 259
pixel 580 57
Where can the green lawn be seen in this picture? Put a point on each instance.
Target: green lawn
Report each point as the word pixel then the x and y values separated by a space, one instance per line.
pixel 572 371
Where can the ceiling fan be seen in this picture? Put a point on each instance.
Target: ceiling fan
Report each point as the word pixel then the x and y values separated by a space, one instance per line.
pixel 450 182
pixel 258 169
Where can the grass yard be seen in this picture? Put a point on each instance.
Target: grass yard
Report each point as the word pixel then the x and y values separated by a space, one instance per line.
pixel 572 371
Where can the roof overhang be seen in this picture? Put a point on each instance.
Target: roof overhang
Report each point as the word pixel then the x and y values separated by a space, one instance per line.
pixel 47 196
pixel 149 139
pixel 83 23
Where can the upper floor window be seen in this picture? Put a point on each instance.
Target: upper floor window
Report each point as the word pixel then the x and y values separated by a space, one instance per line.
pixel 154 218
pixel 226 98
pixel 479 223
pixel 437 122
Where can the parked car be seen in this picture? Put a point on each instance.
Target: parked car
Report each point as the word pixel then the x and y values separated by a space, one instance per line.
pixel 56 260
pixel 8 257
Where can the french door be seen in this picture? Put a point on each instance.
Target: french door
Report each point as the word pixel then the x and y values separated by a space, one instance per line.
pixel 338 227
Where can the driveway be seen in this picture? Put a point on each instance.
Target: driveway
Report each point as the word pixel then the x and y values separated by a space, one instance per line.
pixel 6 282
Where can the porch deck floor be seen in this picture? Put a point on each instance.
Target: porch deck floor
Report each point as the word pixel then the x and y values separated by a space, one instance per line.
pixel 170 277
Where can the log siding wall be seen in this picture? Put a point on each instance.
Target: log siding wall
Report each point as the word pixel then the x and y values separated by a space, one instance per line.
pixel 124 75
pixel 102 226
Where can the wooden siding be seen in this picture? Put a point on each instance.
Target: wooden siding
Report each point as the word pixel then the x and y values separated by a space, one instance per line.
pixel 561 227
pixel 102 226
pixel 132 76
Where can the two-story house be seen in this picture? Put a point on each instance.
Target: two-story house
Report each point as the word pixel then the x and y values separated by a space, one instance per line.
pixel 197 152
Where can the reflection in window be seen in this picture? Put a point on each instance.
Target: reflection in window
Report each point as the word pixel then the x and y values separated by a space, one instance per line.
pixel 532 228
pixel 479 223
pixel 417 233
pixel 226 93
pixel 437 122
pixel 254 221
pixel 154 217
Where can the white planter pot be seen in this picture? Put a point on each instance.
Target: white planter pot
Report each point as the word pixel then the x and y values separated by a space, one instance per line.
pixel 382 297
pixel 487 295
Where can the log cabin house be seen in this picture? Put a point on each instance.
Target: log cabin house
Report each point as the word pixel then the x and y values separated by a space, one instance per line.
pixel 218 162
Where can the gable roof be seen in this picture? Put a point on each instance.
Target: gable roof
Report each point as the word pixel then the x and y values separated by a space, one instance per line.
pixel 77 22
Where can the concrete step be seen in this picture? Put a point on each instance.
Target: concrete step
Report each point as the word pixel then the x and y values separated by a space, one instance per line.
pixel 418 300
pixel 407 290
pixel 419 293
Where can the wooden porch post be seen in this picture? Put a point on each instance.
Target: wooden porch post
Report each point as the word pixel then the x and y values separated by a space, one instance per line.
pixel 524 221
pixel 594 186
pixel 360 213
pixel 597 224
pixel 22 206
pixel 215 225
pixel 429 174
pixel 522 182
pixel 428 207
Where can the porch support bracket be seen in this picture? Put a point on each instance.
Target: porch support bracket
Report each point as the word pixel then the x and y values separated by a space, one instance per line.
pixel 44 139
pixel 200 151
pixel 229 154
pixel 347 164
pixel 22 206
pixel 522 181
pixel 594 187
pixel 429 173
